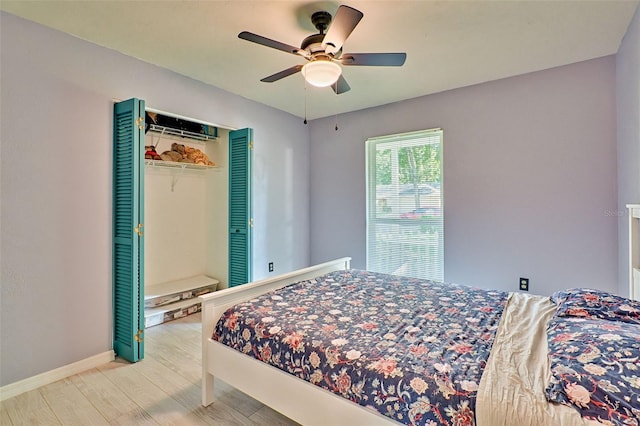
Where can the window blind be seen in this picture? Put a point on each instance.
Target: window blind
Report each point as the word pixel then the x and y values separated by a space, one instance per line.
pixel 405 227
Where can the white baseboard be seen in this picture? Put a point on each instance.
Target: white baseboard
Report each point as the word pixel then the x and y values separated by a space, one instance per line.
pixel 31 383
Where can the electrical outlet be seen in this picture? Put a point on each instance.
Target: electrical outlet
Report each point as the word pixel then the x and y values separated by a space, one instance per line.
pixel 524 284
pixel 270 266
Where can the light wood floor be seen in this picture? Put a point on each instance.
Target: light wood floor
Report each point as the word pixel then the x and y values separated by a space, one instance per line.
pixel 162 389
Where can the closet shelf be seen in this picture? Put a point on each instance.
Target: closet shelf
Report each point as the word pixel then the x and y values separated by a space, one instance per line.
pixel 163 293
pixel 156 316
pixel 180 134
pixel 175 299
pixel 176 165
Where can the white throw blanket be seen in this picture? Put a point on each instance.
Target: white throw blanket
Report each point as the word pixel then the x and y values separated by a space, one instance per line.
pixel 512 389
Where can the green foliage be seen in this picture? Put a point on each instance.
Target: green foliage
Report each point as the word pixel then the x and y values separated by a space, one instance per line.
pixel 417 164
pixel 383 167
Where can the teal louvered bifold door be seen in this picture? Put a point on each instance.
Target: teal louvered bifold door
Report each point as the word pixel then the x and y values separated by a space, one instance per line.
pixel 128 241
pixel 240 212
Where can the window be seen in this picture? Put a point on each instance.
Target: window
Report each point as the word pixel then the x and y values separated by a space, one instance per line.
pixel 404 205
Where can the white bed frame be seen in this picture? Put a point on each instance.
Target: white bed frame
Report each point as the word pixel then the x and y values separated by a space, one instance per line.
pixel 299 400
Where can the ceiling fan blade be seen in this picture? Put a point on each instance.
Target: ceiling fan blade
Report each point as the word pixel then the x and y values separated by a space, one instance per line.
pixel 343 24
pixel 282 74
pixel 341 85
pixel 374 59
pixel 246 35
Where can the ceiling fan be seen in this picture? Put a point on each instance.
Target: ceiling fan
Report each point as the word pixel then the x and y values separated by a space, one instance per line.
pixel 323 51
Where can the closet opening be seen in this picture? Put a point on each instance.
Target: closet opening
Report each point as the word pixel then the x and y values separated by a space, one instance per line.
pixel 185 214
pixel 182 217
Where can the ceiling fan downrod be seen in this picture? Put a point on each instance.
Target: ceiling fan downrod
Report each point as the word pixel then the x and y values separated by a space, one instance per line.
pixel 321 20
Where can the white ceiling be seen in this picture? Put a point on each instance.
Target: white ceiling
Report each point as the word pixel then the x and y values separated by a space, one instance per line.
pixel 449 44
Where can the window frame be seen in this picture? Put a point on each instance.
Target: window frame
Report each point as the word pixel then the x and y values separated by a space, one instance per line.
pixel 371 145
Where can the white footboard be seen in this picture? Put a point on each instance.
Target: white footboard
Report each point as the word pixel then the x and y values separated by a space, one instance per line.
pixel 214 304
pixel 299 400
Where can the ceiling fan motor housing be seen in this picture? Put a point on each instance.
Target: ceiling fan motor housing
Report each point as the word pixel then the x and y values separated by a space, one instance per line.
pixel 313 43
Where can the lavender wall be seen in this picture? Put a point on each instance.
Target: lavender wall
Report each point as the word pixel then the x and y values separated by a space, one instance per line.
pixel 628 124
pixel 529 178
pixel 56 165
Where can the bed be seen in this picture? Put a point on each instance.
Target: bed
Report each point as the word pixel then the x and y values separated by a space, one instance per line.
pixel 396 350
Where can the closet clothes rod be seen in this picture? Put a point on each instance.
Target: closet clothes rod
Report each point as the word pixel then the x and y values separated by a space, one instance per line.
pixel 162 130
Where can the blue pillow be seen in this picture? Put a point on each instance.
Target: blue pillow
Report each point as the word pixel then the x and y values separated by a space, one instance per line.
pixel 596 304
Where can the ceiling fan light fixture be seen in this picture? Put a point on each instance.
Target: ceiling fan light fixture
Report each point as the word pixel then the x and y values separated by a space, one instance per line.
pixel 321 73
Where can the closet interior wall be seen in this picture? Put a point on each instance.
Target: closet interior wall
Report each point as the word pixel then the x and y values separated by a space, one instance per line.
pixel 186 214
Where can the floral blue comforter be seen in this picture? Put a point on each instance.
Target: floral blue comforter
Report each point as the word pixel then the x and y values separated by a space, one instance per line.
pixel 413 350
pixel 594 351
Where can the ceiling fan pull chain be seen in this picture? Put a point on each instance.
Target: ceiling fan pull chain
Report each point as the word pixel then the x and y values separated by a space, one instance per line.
pixel 336 104
pixel 305 102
